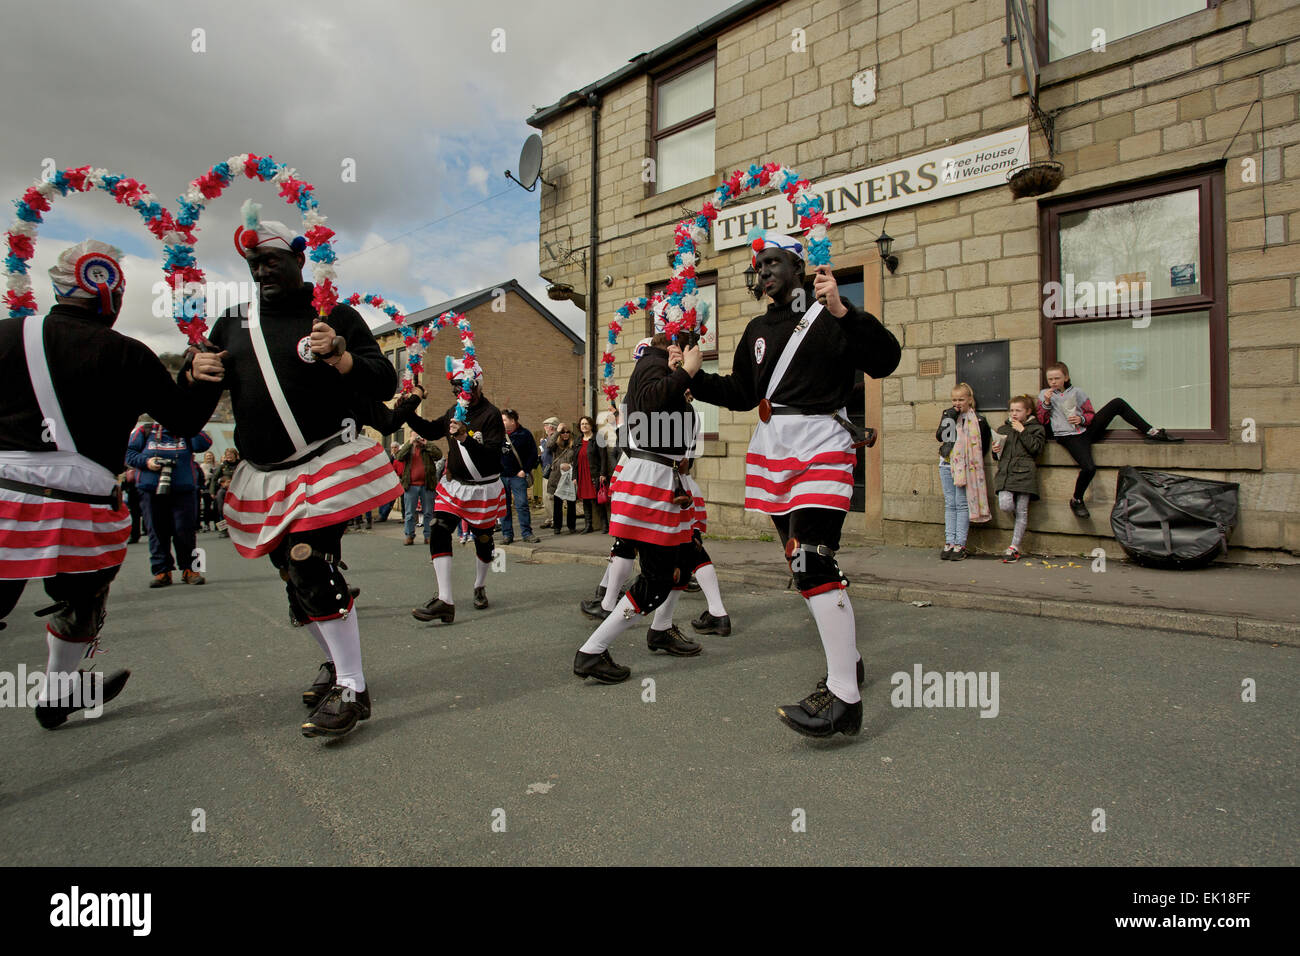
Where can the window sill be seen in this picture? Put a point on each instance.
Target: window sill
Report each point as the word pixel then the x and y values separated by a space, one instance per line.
pixel 1147 43
pixel 1191 456
pixel 680 193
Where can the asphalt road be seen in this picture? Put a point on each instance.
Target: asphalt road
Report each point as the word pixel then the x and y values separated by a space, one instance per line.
pixel 481 725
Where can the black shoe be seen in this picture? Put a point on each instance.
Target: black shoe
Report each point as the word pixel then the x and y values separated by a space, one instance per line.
pixel 480 598
pixel 958 554
pixel 508 539
pixel 1161 437
pixel 862 677
pixel 529 538
pixel 320 687
pixel 706 623
pixel 673 641
pixel 225 533
pixel 945 554
pixel 338 713
pixel 594 609
pixel 1079 508
pixel 586 530
pixel 51 715
pixel 601 667
pixel 692 586
pixel 822 714
pixel 435 610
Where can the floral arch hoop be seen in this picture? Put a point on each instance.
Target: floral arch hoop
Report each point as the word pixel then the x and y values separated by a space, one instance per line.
pixel 681 300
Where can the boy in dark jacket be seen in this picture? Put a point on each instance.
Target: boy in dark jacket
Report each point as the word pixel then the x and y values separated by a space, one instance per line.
pixel 1020 441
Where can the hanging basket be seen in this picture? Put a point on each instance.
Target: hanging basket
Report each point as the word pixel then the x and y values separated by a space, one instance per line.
pixel 1035 179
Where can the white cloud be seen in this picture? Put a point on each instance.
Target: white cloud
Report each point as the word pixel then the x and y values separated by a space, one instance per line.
pixel 477 177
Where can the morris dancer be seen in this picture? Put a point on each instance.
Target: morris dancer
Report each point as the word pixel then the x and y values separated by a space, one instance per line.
pixel 651 508
pixel 74 391
pixel 797 364
pixel 470 488
pixel 300 384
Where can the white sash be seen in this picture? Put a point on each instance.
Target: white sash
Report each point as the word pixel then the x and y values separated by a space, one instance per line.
pixel 468 461
pixel 272 382
pixel 38 370
pixel 792 346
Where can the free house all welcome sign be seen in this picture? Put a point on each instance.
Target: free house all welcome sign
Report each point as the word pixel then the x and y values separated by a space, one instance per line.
pixel 936 174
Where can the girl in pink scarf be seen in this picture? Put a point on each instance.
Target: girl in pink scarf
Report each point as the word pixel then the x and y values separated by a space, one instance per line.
pixel 964 438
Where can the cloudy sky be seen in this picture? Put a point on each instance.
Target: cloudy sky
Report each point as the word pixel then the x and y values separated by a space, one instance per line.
pixel 410 90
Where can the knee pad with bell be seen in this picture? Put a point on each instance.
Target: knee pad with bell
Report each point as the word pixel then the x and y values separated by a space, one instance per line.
pixel 317 588
pixel 440 535
pixel 814 567
pixel 623 548
pixel 483 545
pixel 79 619
pixel 648 593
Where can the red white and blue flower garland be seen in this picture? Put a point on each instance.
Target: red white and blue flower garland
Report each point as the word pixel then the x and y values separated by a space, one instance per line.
pixel 463 397
pixel 21 236
pixel 682 302
pixel 181 266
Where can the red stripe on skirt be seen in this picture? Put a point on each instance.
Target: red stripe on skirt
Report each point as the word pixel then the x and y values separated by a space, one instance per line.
pixel 653 492
pixel 669 519
pixel 305 524
pixel 648 535
pixel 798 464
pixel 53 510
pixel 333 491
pixel 63 537
pixel 22 570
pixel 838 502
pixel 783 487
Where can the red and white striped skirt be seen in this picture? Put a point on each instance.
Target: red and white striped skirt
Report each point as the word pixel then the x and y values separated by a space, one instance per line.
pixel 348 480
pixel 480 505
pixel 40 536
pixel 799 461
pixel 641 505
pixel 700 522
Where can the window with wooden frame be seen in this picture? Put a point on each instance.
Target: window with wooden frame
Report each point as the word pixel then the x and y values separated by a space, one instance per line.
pixel 1135 300
pixel 682 123
pixel 706 286
pixel 1067 27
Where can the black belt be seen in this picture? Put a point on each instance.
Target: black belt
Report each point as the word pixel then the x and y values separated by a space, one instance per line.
pixel 115 499
pixel 651 456
pixel 329 445
pixel 792 410
pixel 477 481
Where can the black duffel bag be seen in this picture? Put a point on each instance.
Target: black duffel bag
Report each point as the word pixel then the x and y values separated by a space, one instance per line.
pixel 1172 521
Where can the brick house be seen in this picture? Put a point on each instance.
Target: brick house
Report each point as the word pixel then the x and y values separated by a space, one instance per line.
pixel 532 362
pixel 1176 126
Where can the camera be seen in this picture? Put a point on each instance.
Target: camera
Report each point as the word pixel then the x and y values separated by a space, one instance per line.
pixel 165 478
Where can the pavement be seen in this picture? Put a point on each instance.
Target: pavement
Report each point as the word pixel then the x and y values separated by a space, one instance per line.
pixel 1243 602
pixel 1109 746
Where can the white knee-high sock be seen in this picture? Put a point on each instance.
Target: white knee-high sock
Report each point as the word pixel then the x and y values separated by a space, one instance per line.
pixel 664 612
pixel 623 617
pixel 619 571
pixel 442 570
pixel 314 627
pixel 481 573
pixel 707 577
pixel 63 661
pixel 343 638
pixel 836 626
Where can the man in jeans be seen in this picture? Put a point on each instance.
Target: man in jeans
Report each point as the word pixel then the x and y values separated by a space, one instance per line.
pixel 518 459
pixel 170 502
pixel 419 478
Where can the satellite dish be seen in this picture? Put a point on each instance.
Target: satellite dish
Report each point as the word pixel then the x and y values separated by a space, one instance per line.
pixel 530 164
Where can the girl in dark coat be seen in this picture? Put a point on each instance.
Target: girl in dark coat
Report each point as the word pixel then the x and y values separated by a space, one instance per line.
pixel 1020 441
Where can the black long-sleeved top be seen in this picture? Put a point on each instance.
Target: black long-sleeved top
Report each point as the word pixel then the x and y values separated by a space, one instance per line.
pixel 487 438
pixel 104 381
pixel 521 439
pixel 659 418
pixel 820 377
pixel 320 397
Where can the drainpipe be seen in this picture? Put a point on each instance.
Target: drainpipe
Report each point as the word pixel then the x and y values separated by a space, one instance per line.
pixel 593 100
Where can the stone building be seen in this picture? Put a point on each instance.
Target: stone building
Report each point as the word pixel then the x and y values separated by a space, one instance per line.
pixel 1176 126
pixel 532 362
